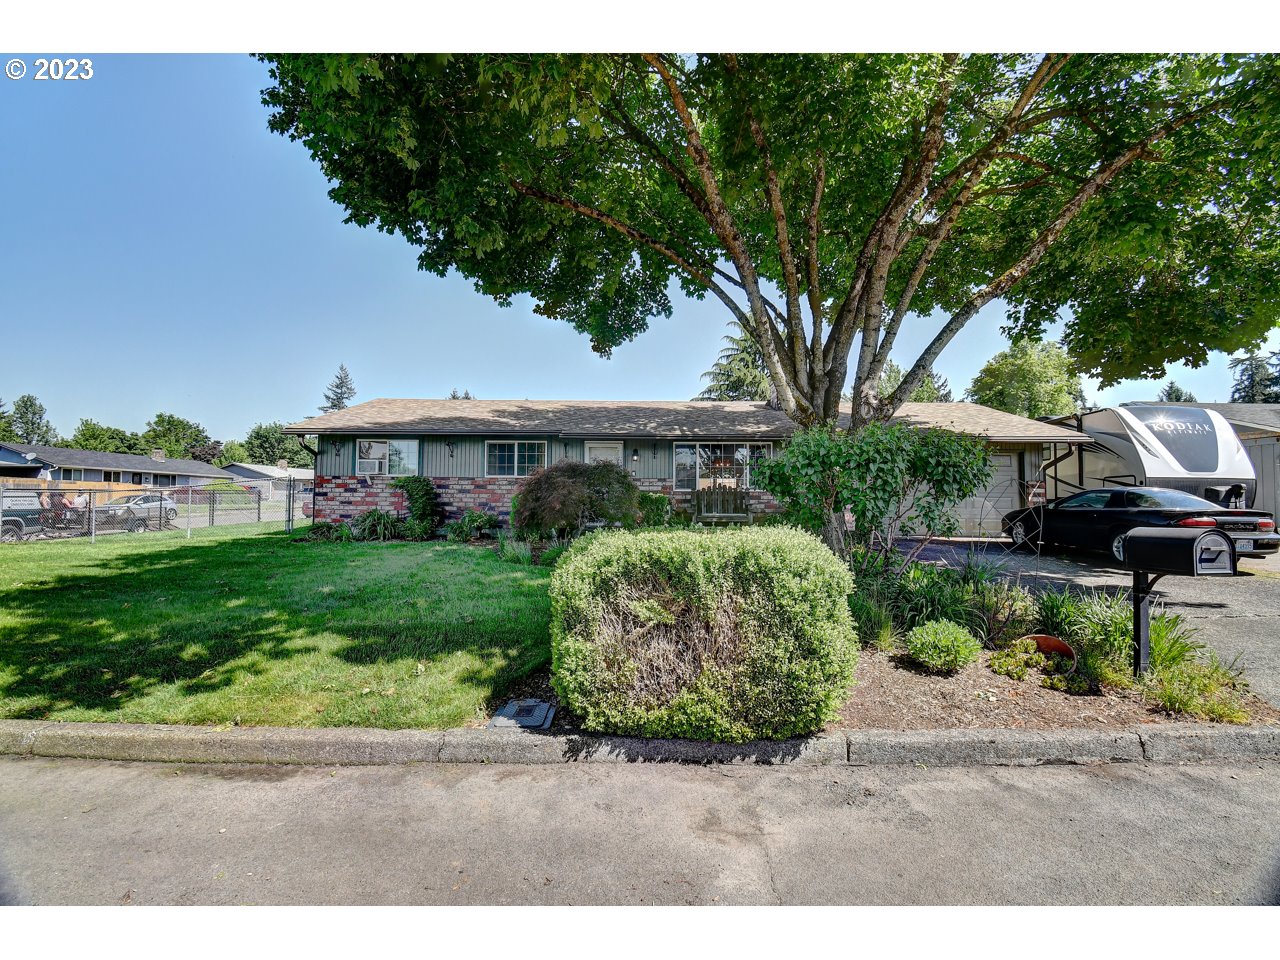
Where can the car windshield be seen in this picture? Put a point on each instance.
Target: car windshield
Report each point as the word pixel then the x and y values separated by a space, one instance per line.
pixel 1170 500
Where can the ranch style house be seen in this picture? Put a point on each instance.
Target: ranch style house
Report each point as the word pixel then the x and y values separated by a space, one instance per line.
pixel 477 452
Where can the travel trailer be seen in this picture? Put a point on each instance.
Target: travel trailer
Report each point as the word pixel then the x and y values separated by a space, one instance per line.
pixel 1157 445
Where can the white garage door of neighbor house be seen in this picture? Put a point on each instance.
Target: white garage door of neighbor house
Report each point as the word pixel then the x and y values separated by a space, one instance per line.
pixel 982 513
pixel 604 451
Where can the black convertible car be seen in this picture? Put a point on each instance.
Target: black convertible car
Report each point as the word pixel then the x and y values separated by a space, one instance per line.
pixel 1098 519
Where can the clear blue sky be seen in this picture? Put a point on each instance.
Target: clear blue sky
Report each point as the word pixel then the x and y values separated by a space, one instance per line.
pixel 161 250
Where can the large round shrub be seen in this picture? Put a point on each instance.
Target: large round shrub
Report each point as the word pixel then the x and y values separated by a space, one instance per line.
pixel 941 646
pixel 728 635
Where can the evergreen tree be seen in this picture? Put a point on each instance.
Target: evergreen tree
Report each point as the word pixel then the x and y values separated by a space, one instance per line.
pixel 30 423
pixel 1172 393
pixel 340 390
pixel 739 373
pixel 932 389
pixel 1257 379
pixel 6 425
pixel 464 395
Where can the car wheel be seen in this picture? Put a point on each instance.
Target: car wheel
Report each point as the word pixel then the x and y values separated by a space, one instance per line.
pixel 171 514
pixel 138 525
pixel 1117 545
pixel 1020 535
pixel 11 533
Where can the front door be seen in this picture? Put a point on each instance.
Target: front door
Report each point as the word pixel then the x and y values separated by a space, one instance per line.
pixel 603 450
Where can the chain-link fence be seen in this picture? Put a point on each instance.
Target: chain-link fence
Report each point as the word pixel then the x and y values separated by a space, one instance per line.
pixel 57 511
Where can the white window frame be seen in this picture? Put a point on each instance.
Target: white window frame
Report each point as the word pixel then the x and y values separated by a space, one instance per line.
pixel 697 460
pixel 516 463
pixel 382 465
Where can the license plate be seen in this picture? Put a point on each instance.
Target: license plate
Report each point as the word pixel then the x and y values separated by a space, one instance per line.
pixel 1244 545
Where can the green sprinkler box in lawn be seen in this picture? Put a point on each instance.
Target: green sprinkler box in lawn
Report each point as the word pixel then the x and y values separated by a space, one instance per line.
pixel 1155 552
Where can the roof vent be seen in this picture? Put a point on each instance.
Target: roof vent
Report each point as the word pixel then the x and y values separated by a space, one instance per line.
pixel 157 454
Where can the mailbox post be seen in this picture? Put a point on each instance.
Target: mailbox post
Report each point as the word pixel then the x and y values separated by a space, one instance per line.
pixel 1155 552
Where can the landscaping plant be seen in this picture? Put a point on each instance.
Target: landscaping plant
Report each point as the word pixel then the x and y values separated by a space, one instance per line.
pixel 941 646
pixel 728 635
pixel 514 551
pixel 377 525
pixel 567 497
pixel 470 525
pixel 655 509
pixel 425 508
pixel 894 480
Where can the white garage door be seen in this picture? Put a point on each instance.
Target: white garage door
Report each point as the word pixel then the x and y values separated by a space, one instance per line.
pixel 980 515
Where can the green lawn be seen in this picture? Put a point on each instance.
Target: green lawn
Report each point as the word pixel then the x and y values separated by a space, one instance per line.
pixel 229 628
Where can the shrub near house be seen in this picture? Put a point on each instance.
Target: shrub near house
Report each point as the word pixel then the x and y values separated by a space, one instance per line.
pixel 728 635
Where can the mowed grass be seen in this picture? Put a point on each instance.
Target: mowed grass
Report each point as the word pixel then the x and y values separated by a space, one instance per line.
pixel 262 630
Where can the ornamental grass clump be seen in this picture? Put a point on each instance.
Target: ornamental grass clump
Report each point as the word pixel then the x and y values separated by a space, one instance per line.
pixel 941 646
pixel 728 635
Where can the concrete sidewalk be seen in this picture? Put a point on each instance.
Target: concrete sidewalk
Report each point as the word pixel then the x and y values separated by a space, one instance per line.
pixel 97 832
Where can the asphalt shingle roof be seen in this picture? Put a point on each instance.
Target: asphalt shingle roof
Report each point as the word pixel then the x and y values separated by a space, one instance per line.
pixel 97 460
pixel 644 418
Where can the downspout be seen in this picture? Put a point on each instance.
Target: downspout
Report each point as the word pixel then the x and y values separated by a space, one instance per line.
pixel 315 458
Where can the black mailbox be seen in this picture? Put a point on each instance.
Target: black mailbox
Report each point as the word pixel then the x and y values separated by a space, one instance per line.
pixel 1183 551
pixel 1153 552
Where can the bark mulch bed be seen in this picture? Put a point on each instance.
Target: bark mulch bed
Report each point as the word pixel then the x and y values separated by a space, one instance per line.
pixel 891 693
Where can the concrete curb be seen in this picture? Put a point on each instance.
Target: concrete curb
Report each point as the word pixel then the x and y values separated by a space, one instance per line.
pixel 1157 743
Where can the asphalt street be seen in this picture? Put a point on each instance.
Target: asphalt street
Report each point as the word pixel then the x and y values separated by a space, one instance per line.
pixel 95 832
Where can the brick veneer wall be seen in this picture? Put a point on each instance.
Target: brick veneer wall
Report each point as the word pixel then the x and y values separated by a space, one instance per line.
pixel 344 498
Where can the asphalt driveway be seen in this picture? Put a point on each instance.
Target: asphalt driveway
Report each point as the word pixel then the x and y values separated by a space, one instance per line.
pixel 1239 617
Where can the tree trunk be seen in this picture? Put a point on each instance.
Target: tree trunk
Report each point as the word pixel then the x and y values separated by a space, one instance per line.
pixel 834 534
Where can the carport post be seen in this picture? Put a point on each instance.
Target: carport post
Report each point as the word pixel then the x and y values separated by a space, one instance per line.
pixel 93 516
pixel 188 511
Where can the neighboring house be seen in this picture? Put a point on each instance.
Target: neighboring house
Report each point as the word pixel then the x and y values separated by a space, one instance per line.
pixel 66 465
pixel 477 452
pixel 280 475
pixel 1258 427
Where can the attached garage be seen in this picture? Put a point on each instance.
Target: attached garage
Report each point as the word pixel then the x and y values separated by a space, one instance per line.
pixel 1018 450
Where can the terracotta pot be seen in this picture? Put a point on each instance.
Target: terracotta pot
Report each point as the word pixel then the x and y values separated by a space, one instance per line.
pixel 1048 644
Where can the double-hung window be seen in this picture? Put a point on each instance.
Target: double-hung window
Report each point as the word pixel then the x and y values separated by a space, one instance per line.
pixel 391 458
pixel 514 458
pixel 72 476
pixel 699 465
pixel 111 476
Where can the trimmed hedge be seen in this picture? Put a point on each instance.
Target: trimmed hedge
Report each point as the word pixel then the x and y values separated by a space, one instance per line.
pixel 728 635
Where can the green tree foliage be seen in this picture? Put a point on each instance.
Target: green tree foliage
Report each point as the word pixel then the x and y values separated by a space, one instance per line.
pixel 740 372
pixel 1172 393
pixel 1257 379
pixel 892 478
pixel 932 389
pixel 464 395
pixel 91 435
pixel 1030 379
pixel 1137 189
pixel 175 435
pixel 29 422
pixel 267 443
pixel 233 451
pixel 6 425
pixel 340 391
